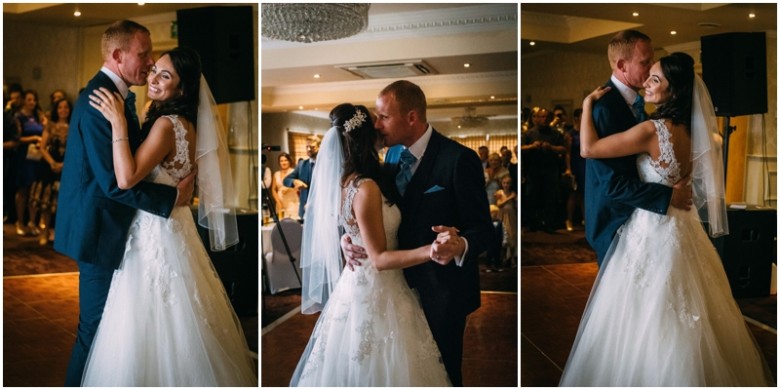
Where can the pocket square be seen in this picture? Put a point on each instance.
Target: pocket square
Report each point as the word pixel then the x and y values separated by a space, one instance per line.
pixel 433 189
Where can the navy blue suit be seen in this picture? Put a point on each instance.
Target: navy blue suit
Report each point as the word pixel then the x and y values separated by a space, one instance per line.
pixel 302 172
pixel 448 188
pixel 94 215
pixel 612 186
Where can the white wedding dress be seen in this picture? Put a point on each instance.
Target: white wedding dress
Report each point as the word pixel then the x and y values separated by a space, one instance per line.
pixel 168 320
pixel 661 312
pixel 372 331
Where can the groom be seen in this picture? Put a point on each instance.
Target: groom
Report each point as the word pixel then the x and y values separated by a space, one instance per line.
pixel 94 215
pixel 612 186
pixel 441 183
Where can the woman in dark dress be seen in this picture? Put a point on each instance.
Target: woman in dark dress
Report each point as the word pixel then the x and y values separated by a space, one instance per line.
pixel 32 121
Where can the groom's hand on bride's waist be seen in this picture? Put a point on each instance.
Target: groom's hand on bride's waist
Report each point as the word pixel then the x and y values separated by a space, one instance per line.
pixel 352 253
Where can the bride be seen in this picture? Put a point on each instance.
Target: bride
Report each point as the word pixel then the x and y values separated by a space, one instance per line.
pixel 167 320
pixel 661 311
pixel 372 331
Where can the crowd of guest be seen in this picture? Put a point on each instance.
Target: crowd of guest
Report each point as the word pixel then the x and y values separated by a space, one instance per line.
pixel 501 188
pixel 288 188
pixel 33 151
pixel 553 172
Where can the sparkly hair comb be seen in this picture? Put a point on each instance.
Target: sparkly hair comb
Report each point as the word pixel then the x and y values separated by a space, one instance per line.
pixel 358 119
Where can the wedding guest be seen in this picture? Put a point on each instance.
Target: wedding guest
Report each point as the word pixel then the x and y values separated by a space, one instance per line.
pixel 286 198
pixel 32 121
pixel 11 131
pixel 575 166
pixel 300 177
pixel 53 152
pixel 542 149
pixel 506 200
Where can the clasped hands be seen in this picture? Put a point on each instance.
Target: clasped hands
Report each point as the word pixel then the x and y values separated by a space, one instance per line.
pixel 447 245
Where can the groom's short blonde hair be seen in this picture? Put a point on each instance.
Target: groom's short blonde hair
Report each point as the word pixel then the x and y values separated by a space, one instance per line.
pixel 118 36
pixel 622 45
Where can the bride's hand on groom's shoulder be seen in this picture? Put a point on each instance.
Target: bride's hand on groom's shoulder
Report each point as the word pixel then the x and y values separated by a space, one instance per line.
pixel 352 253
pixel 111 105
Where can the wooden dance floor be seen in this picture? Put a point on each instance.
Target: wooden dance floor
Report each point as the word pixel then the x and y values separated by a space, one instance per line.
pixel 490 349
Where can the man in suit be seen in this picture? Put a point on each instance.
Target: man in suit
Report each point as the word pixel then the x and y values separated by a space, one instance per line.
pixel 94 215
pixel 300 177
pixel 612 186
pixel 442 185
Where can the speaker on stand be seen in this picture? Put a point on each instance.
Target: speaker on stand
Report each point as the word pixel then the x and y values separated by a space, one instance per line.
pixel 734 69
pixel 224 38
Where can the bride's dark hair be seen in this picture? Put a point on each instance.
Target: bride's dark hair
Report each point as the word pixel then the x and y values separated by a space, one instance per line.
pixel 359 142
pixel 678 70
pixel 186 62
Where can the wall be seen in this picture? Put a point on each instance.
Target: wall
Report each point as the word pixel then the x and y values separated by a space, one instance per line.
pixel 276 126
pixel 42 58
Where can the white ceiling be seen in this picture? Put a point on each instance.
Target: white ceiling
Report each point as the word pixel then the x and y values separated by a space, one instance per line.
pixel 588 27
pixel 444 36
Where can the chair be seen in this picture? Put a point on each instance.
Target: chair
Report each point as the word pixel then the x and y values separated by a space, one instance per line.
pixel 278 269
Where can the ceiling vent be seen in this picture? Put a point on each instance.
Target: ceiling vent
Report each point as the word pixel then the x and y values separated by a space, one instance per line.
pixel 390 70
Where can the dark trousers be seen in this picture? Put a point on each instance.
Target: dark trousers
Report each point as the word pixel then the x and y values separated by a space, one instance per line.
pixel 448 334
pixel 94 283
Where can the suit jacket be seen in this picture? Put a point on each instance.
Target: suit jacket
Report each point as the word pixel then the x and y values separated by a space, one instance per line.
pixel 612 186
pixel 94 215
pixel 448 188
pixel 301 172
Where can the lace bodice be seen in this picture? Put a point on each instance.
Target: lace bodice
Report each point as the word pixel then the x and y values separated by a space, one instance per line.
pixel 391 216
pixel 180 166
pixel 667 169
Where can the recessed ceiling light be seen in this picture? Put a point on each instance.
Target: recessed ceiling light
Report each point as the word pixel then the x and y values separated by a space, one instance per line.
pixel 141 3
pixel 492 97
pixel 300 107
pixel 77 13
pixel 532 43
pixel 673 32
pixel 316 76
pixel 466 65
pixel 751 15
pixel 635 14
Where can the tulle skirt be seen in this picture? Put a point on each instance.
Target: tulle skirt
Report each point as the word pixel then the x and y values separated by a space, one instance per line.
pixel 372 332
pixel 662 313
pixel 167 319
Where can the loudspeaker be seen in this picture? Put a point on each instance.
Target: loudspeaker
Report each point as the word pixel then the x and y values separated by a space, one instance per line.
pixel 224 38
pixel 734 69
pixel 749 250
pixel 237 266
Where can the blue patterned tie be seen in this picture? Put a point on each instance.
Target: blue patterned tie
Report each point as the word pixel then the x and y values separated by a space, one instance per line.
pixel 130 104
pixel 405 172
pixel 639 108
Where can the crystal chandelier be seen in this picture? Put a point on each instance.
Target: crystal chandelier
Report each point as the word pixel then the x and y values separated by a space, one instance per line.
pixel 312 22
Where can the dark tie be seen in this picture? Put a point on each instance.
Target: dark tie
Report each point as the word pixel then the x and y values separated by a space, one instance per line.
pixel 405 172
pixel 639 108
pixel 130 104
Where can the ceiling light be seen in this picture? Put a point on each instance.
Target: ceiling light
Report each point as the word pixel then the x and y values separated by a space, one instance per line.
pixel 300 107
pixel 141 4
pixel 673 32
pixel 492 97
pixel 532 43
pixel 77 13
pixel 635 14
pixel 466 65
pixel 751 15
pixel 316 76
pixel 312 22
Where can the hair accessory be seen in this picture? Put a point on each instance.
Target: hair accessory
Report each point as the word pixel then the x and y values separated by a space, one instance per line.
pixel 358 119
